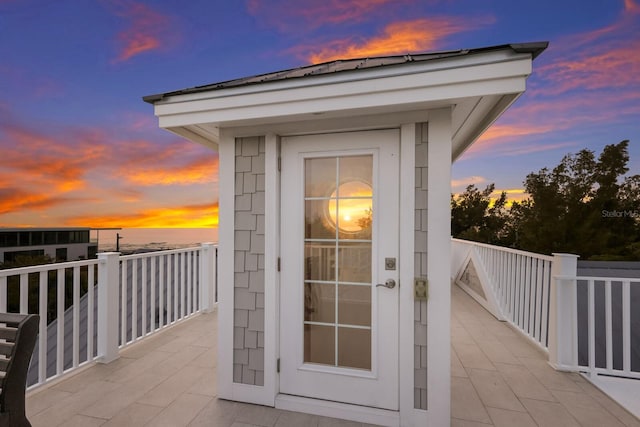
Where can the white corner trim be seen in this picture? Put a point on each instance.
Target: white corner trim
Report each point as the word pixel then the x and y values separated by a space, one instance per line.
pixel 439 267
pixel 272 279
pixel 407 246
pixel 226 238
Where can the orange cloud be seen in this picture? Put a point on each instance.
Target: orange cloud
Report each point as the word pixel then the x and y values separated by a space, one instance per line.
pixel 605 67
pixel 60 168
pixel 147 30
pixel 604 58
pixel 296 16
pixel 465 182
pixel 47 161
pixel 397 38
pixel 201 170
pixel 631 6
pixel 15 199
pixel 191 216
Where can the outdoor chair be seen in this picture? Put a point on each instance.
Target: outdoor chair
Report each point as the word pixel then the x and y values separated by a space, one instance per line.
pixel 18 334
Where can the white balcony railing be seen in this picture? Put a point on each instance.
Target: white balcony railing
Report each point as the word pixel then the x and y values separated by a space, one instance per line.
pixel 90 310
pixel 604 338
pixel 518 284
pixel 585 324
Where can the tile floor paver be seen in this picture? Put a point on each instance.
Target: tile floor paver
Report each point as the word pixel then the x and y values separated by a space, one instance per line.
pixel 498 378
pixel 494 391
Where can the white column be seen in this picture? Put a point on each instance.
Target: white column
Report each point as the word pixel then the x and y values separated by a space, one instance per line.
pixel 439 267
pixel 108 283
pixel 226 242
pixel 208 283
pixel 563 333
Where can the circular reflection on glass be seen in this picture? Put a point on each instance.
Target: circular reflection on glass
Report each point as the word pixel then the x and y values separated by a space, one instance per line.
pixel 354 209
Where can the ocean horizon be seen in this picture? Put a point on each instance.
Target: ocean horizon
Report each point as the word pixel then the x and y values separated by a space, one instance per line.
pixel 132 239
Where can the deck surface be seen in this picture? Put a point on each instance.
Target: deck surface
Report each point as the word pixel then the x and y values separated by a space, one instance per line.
pixel 497 378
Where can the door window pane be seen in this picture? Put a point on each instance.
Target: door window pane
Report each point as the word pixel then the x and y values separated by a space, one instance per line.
pixel 354 262
pixel 317 222
pixel 354 348
pixel 319 261
pixel 320 174
pixel 320 302
pixel 354 305
pixel 319 344
pixel 338 236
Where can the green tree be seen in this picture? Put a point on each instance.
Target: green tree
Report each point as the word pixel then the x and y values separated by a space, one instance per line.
pixel 475 217
pixel 583 206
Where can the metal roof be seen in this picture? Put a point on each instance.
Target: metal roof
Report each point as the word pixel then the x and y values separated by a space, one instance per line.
pixel 349 65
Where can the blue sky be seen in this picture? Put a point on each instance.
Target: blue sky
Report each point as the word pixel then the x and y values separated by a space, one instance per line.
pixel 81 148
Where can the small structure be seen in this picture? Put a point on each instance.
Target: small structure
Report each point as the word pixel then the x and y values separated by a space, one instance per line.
pixel 60 244
pixel 334 234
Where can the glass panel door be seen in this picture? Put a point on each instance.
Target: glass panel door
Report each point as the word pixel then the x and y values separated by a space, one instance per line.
pixel 339 222
pixel 338 212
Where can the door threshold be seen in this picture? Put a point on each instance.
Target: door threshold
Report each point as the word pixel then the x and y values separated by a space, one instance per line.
pixel 345 411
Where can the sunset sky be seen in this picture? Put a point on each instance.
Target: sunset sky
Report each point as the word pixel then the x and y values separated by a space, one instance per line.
pixel 79 147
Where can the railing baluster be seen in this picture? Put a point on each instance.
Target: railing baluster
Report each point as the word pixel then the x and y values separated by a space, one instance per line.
pixel 538 307
pixel 183 296
pixel 626 325
pixel 3 294
pixel 152 300
pixel 144 297
pixel 591 325
pixel 544 317
pixel 526 326
pixel 42 330
pixel 90 307
pixel 176 287
pixel 134 299
pixel 608 324
pixel 161 290
pixel 60 322
pixel 123 302
pixel 169 286
pixel 24 293
pixel 189 281
pixel 76 317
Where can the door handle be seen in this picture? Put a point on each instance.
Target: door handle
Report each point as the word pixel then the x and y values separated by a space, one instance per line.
pixel 390 283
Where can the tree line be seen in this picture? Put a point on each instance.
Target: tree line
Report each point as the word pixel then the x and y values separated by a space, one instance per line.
pixel 585 205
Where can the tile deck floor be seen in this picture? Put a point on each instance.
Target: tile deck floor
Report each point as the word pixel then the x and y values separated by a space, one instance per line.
pixel 497 378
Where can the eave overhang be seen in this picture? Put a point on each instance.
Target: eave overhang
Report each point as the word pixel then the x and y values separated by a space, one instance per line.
pixel 479 85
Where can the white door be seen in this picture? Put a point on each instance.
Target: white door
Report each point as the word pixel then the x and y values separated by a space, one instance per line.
pixel 338 326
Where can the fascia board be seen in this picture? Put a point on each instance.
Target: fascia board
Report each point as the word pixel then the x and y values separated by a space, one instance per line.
pixel 373 99
pixel 322 98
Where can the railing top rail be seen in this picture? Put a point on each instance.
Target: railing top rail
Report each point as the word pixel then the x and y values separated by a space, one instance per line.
pixel 600 278
pixel 505 249
pixel 47 267
pixel 162 252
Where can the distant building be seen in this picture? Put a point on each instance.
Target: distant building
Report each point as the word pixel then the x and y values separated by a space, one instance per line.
pixel 61 244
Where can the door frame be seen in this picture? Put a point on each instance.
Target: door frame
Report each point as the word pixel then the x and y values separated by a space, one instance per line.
pixel 353 411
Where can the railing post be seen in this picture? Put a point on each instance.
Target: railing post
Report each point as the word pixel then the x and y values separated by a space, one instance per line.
pixel 108 283
pixel 208 268
pixel 563 341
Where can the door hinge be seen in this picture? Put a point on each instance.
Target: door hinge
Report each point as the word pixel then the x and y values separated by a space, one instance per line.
pixel 278 365
pixel 278 264
pixel 279 164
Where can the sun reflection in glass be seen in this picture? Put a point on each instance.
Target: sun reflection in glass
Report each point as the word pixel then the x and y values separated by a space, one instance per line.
pixel 352 203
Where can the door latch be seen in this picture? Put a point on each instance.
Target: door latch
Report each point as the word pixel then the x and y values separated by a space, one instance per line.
pixel 390 283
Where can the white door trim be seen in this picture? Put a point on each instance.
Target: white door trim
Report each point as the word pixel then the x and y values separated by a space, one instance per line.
pixel 385 375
